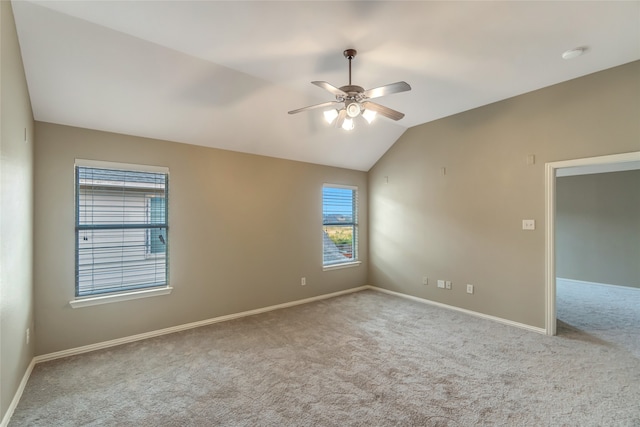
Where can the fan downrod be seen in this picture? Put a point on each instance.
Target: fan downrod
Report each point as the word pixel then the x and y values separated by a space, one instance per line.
pixel 350 54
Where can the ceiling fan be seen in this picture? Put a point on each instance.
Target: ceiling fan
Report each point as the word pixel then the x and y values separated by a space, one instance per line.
pixel 353 101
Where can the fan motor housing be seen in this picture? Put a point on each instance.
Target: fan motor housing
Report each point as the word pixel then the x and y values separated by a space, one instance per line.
pixel 352 89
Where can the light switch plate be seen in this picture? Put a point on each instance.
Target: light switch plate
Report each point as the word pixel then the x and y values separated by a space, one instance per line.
pixel 528 224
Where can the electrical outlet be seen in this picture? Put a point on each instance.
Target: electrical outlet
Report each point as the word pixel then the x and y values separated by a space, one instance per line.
pixel 303 281
pixel 447 284
pixel 425 280
pixel 28 335
pixel 469 289
pixel 441 284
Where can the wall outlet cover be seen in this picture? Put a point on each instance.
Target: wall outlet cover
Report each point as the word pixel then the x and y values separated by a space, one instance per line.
pixel 528 224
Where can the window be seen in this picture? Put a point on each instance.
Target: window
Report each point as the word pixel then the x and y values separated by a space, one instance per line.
pixel 121 228
pixel 339 225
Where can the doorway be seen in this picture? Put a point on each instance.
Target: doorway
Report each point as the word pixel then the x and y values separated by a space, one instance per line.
pixel 611 163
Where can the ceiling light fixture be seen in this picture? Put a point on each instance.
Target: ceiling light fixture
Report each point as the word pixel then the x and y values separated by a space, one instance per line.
pixel 353 109
pixel 369 115
pixel 330 115
pixel 349 114
pixel 347 124
pixel 574 53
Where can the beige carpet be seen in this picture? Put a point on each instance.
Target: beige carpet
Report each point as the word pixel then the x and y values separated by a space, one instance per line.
pixel 365 359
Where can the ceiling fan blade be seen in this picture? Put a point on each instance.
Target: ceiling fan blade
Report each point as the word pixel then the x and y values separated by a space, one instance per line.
pixel 334 90
pixel 387 90
pixel 313 107
pixel 341 116
pixel 385 111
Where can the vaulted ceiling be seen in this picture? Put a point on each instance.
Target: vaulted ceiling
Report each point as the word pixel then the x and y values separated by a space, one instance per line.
pixel 224 74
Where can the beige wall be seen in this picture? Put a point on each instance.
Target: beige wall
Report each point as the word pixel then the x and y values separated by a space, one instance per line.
pixel 465 226
pixel 16 213
pixel 243 230
pixel 598 228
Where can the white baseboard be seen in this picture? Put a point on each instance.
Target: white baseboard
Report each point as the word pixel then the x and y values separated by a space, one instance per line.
pixel 560 280
pixel 463 310
pixel 173 329
pixel 18 395
pixel 146 335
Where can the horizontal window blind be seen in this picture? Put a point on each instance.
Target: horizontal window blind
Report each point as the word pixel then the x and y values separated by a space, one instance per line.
pixel 121 230
pixel 339 224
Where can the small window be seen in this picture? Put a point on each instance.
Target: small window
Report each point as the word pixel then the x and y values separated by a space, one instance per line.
pixel 121 228
pixel 339 225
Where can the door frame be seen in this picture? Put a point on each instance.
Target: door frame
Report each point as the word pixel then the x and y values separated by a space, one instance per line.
pixel 589 165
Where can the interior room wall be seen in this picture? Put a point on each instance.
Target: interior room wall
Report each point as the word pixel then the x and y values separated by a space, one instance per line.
pixel 598 228
pixel 243 230
pixel 463 223
pixel 16 213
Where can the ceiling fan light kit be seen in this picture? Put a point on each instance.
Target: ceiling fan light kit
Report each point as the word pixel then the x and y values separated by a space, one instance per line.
pixel 355 100
pixel 353 109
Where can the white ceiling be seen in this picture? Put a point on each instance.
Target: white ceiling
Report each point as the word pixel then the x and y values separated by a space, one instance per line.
pixel 224 74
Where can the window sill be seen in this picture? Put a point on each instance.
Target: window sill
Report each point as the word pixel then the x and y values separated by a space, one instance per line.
pixel 106 299
pixel 339 266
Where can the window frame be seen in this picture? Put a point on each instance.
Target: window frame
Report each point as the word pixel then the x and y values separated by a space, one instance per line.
pixel 354 261
pixel 133 292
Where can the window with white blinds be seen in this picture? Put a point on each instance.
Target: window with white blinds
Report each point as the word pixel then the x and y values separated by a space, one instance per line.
pixel 121 228
pixel 339 224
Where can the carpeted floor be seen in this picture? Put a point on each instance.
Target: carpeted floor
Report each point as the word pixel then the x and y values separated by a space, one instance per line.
pixel 364 359
pixel 608 315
